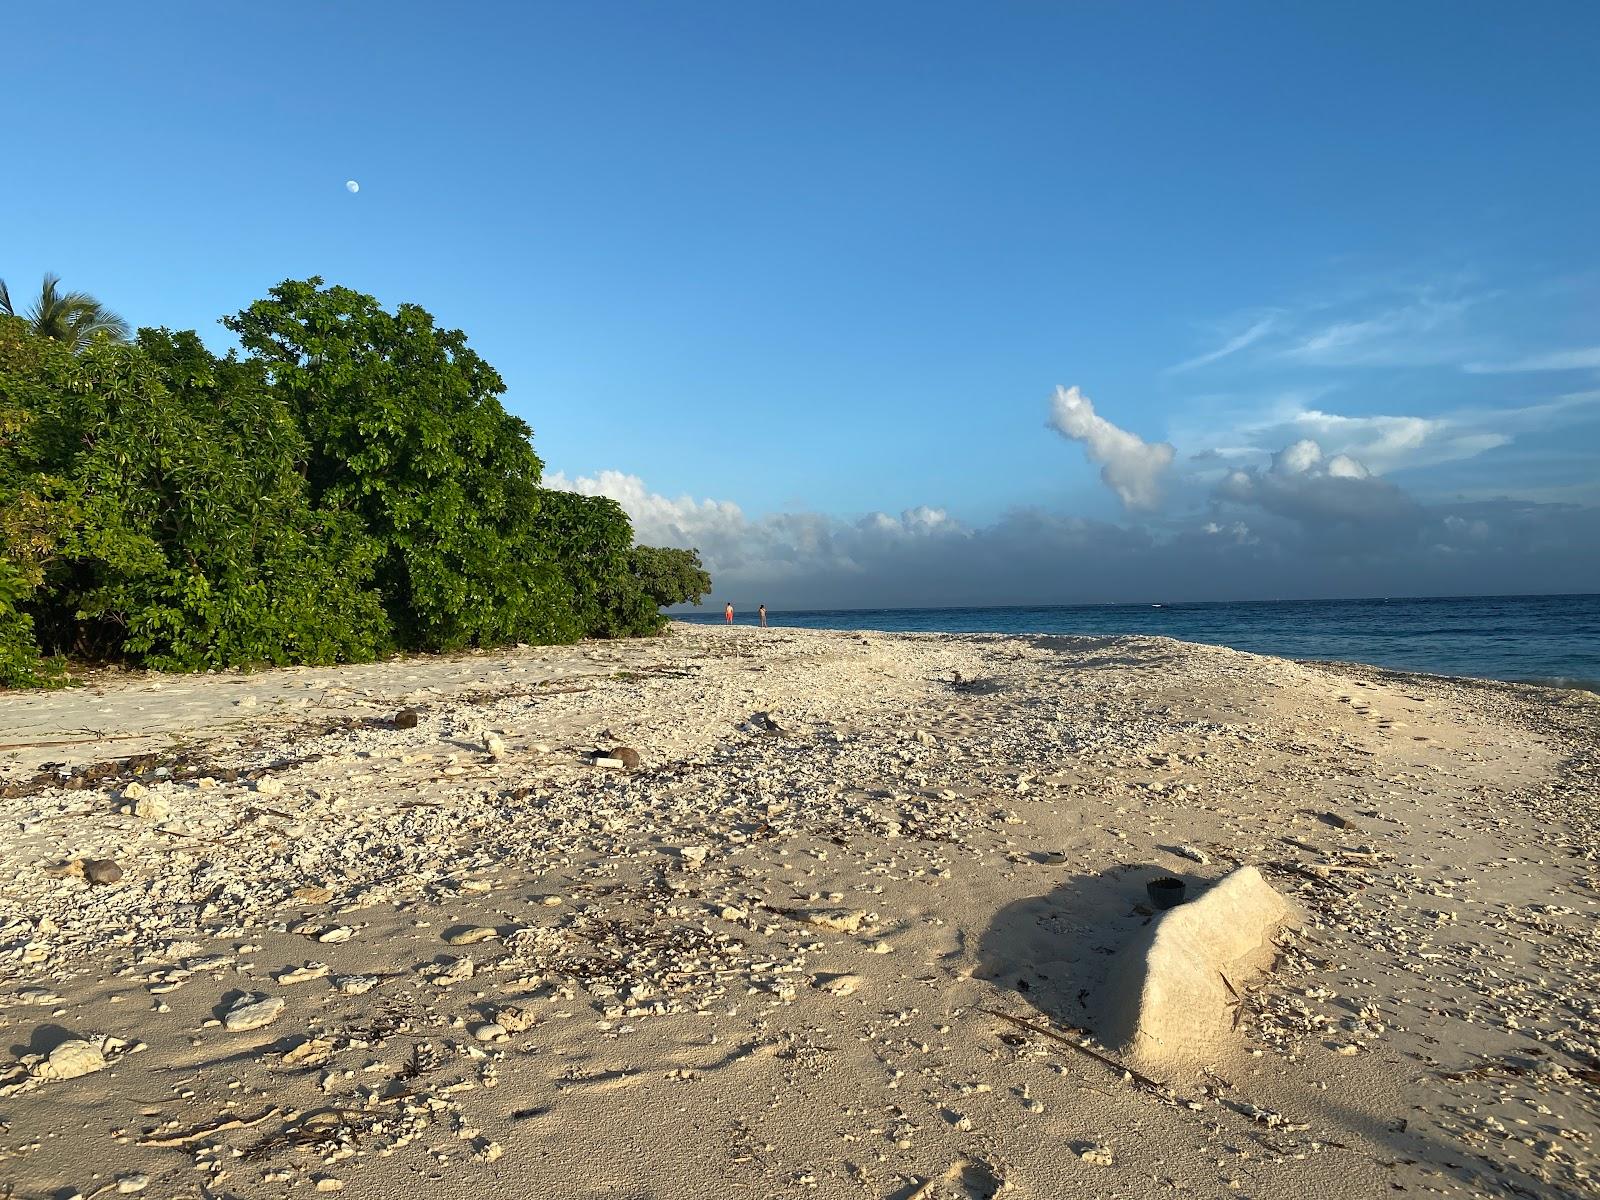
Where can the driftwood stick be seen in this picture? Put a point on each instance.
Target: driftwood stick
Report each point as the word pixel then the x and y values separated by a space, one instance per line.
pixel 83 741
pixel 200 1133
pixel 1105 1060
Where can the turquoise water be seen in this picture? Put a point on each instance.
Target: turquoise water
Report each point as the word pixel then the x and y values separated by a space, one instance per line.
pixel 1542 639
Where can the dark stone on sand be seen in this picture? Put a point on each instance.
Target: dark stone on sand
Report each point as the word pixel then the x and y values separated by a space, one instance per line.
pixel 406 718
pixel 101 871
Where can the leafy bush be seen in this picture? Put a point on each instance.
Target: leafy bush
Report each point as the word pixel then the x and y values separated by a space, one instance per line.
pixel 32 513
pixel 407 430
pixel 669 576
pixel 353 485
pixel 184 538
pixel 590 537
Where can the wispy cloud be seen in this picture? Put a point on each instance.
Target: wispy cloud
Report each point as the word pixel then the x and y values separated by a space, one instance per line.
pixel 1423 331
pixel 1384 441
pixel 1586 358
pixel 1233 345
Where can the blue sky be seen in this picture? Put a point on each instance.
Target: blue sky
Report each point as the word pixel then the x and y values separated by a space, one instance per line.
pixel 808 265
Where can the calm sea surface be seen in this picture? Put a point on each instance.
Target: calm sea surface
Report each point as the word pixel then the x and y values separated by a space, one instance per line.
pixel 1545 639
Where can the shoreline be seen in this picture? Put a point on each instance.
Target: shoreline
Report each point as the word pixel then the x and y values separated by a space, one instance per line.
pixel 589 982
pixel 1557 639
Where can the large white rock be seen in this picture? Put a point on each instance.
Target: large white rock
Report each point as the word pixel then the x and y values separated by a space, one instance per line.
pixel 1165 1003
pixel 252 1012
pixel 71 1059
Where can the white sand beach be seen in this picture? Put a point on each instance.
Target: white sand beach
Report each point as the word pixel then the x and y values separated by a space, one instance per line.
pixel 788 955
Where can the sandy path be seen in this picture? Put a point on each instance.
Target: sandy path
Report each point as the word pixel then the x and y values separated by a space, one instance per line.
pixel 760 965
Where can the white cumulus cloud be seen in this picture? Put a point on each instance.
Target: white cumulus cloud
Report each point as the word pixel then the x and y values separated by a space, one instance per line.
pixel 1129 465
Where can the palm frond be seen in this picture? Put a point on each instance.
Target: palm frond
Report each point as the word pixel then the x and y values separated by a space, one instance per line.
pixel 71 317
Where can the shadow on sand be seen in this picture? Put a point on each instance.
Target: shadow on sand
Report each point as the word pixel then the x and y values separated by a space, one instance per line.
pixel 1053 950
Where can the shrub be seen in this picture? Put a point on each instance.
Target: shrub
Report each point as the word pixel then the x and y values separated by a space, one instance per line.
pixel 350 486
pixel 183 537
pixel 590 537
pixel 669 576
pixel 406 429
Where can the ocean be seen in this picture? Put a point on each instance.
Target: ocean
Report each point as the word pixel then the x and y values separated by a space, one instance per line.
pixel 1532 639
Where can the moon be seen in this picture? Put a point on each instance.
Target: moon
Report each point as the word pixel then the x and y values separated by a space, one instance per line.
pixel 350 185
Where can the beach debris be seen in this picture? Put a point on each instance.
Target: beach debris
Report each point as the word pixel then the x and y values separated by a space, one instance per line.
pixel 101 872
pixel 692 858
pixel 765 722
pixel 514 1019
pixel 470 935
pixel 1467 919
pixel 71 1059
pixel 838 985
pixel 294 975
pixel 1125 1072
pixel 252 1012
pixel 309 1052
pixel 1194 854
pixel 150 807
pixel 1268 1117
pixel 269 786
pixel 494 746
pixel 1166 997
pixel 202 1132
pixel 1166 892
pixel 450 972
pixel 978 1179
pixel 132 1182
pixel 840 920
pixel 618 758
pixel 1334 819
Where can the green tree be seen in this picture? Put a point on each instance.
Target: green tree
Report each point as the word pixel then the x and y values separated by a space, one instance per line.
pixel 590 537
pixel 36 508
pixel 406 429
pixel 72 318
pixel 173 522
pixel 669 576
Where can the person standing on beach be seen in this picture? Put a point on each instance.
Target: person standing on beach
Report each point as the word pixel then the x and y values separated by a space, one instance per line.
pixel 761 611
pixel 727 613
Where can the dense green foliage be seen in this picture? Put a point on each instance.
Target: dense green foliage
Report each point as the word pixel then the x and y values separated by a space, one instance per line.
pixel 670 576
pixel 164 517
pixel 406 429
pixel 349 487
pixel 590 537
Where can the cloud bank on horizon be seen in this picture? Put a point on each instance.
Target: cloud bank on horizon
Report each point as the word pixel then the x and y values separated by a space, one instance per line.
pixel 1301 522
pixel 1280 475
